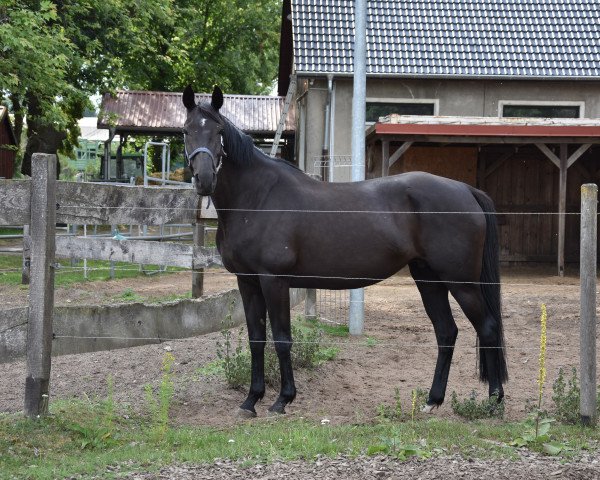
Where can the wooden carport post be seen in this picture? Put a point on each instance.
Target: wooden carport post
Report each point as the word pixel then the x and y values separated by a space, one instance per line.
pixel 563 163
pixel 41 288
pixel 386 160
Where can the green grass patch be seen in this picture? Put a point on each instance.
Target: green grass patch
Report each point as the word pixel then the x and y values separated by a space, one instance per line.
pixel 11 231
pixel 65 274
pixel 331 329
pixel 93 438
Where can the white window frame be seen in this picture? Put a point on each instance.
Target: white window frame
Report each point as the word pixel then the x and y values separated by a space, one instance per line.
pixel 434 101
pixel 541 103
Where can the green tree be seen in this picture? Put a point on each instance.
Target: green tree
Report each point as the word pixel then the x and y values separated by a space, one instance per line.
pixel 55 54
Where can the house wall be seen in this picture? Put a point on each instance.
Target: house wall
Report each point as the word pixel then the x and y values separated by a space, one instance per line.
pixel 456 98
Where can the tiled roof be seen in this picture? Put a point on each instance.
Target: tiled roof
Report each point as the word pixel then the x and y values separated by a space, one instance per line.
pixel 474 38
pixel 164 112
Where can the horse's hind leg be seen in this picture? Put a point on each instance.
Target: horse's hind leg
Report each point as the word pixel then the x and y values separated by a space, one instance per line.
pixel 435 299
pixel 256 316
pixel 471 300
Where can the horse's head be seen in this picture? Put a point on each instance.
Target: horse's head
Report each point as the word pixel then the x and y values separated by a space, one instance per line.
pixel 203 139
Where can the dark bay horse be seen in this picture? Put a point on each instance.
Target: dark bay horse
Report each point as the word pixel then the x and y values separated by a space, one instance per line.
pixel 278 228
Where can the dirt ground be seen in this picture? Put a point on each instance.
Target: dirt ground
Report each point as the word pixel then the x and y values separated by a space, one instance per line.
pixel 397 350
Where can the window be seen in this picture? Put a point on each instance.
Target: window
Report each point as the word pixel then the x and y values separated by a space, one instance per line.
pixel 381 107
pixel 542 110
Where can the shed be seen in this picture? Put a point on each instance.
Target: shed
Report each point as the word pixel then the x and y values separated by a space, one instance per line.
pixel 8 145
pixel 162 114
pixel 521 162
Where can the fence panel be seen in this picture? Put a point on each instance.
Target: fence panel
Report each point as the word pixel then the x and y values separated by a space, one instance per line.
pixel 15 201
pixel 105 204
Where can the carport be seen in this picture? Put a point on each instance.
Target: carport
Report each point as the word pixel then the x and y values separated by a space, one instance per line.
pixel 492 142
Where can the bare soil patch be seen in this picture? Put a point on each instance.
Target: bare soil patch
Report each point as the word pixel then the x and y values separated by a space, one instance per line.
pixel 397 350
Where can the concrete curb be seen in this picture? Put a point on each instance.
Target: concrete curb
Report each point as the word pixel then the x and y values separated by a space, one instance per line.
pixel 91 328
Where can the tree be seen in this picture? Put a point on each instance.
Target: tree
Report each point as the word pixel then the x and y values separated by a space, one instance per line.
pixel 54 55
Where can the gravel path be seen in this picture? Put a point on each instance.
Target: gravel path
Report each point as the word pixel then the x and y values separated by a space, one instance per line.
pixel 530 467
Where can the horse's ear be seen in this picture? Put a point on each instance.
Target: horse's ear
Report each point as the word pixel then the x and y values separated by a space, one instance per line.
pixel 217 98
pixel 189 98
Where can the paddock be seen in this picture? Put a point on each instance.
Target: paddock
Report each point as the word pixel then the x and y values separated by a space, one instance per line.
pixel 395 352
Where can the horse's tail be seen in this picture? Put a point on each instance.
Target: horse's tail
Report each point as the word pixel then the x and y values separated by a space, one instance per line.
pixel 490 286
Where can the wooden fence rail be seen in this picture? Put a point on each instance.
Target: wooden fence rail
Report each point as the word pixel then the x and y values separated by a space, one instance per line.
pixel 137 251
pixel 104 204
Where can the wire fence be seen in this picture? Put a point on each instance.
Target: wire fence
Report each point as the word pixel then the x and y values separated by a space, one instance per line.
pixel 334 305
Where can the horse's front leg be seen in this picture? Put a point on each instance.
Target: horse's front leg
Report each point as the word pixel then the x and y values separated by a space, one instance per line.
pixel 256 314
pixel 276 292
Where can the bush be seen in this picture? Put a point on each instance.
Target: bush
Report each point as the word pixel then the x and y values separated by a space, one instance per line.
pixel 566 396
pixel 307 352
pixel 472 409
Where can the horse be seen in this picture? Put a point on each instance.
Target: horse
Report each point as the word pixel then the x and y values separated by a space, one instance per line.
pixel 278 228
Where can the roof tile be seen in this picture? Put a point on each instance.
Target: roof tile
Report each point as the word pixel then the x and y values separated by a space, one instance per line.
pixel 523 38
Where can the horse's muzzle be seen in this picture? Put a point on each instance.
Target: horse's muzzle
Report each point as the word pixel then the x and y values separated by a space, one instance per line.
pixel 205 187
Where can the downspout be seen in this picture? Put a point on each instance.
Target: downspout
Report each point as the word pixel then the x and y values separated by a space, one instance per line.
pixel 326 137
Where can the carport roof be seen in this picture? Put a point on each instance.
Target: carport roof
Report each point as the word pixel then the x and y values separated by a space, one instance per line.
pixel 426 128
pixel 162 113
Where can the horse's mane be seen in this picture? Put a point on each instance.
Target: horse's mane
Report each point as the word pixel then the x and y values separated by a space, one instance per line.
pixel 240 148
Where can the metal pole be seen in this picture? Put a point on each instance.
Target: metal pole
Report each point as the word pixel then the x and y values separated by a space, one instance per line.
pixel 587 326
pixel 357 296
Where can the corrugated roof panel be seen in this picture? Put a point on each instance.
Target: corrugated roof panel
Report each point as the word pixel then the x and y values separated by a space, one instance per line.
pixel 165 111
pixel 523 38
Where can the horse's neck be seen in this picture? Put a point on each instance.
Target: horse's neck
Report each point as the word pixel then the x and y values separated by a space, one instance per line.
pixel 244 185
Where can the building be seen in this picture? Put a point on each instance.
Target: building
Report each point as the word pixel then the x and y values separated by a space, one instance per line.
pixel 460 67
pixel 8 145
pixel 162 114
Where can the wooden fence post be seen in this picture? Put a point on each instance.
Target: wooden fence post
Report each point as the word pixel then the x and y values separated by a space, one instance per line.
pixel 198 273
pixel 41 288
pixel 587 329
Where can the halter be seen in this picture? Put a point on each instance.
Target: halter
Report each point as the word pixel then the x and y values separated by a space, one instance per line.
pixel 217 164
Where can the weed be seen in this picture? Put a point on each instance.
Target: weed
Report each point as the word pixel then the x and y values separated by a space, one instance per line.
pixel 542 362
pixel 389 412
pixel 566 396
pixel 472 409
pixel 159 407
pixel 100 431
pixel 129 295
pixel 538 424
pixel 234 361
pixel 536 433
pixel 394 446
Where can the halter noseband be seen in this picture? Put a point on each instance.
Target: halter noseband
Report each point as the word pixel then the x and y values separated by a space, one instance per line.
pixel 217 164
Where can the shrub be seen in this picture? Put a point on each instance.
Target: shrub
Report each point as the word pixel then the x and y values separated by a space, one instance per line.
pixel 566 396
pixel 307 352
pixel 472 409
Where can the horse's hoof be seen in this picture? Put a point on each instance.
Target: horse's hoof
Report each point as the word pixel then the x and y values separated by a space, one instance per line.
pixel 429 408
pixel 245 414
pixel 275 414
pixel 275 411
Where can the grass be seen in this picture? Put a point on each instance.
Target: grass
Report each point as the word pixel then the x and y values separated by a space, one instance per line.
pixel 94 438
pixel 65 275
